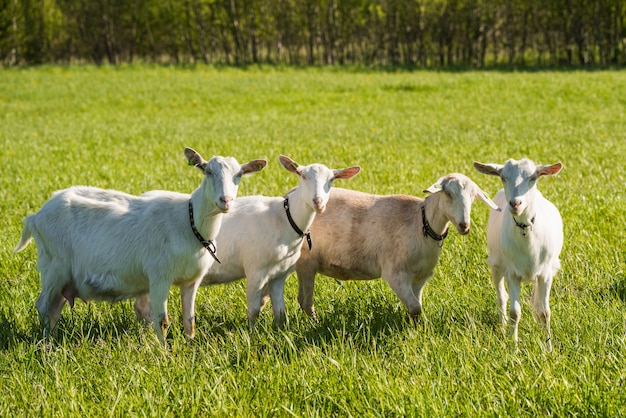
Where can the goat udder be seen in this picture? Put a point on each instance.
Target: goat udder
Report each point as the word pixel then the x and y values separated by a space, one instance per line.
pixel 70 292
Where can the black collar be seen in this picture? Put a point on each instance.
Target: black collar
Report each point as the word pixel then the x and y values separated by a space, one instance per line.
pixel 209 245
pixel 293 224
pixel 524 226
pixel 429 231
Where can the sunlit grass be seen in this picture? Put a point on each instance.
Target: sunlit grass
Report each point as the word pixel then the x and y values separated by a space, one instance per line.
pixel 125 128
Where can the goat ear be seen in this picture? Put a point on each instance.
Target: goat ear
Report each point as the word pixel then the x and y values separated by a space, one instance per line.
pixel 346 173
pixel 485 198
pixel 253 166
pixel 546 170
pixel 436 187
pixel 194 159
pixel 289 164
pixel 491 169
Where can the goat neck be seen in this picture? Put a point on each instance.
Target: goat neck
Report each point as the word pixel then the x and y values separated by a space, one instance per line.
pixel 206 214
pixel 301 211
pixel 525 221
pixel 435 217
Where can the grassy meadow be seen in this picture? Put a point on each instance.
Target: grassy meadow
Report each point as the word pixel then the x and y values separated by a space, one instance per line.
pixel 125 128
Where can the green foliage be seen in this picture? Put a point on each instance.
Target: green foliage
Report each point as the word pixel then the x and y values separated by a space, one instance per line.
pixel 125 128
pixel 412 33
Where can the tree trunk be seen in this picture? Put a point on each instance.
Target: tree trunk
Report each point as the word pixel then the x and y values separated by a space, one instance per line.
pixel 310 18
pixel 253 34
pixel 234 27
pixel 201 31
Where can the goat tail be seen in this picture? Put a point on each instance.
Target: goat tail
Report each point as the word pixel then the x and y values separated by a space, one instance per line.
pixel 26 237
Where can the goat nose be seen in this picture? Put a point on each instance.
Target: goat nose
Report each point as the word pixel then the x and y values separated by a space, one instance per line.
pixel 464 228
pixel 515 203
pixel 318 205
pixel 226 201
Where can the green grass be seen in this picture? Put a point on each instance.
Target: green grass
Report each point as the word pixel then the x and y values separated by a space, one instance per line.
pixel 125 128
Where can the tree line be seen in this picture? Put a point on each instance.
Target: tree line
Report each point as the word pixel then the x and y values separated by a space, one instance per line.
pixel 414 33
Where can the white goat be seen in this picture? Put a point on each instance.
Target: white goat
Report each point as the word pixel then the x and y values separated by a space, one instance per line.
pixel 525 243
pixel 397 237
pixel 98 244
pixel 261 237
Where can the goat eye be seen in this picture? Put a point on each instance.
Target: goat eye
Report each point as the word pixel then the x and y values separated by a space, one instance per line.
pixel 208 172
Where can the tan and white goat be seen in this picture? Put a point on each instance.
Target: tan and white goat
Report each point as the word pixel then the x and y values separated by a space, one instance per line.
pixel 398 238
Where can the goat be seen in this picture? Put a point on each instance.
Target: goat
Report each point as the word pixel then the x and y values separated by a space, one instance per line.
pixel 106 245
pixel 397 237
pixel 261 237
pixel 525 243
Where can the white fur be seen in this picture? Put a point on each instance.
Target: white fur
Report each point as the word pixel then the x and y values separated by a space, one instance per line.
pixel 363 236
pixel 523 253
pixel 257 242
pixel 98 244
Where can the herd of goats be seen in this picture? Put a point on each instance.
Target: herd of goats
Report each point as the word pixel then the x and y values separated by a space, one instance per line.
pixel 106 245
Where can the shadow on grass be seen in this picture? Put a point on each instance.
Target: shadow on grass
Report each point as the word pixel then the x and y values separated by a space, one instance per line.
pixel 71 329
pixel 378 323
pixel 12 334
pixel 354 321
pixel 345 320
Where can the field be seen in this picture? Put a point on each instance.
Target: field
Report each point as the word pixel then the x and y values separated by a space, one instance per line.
pixel 125 128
